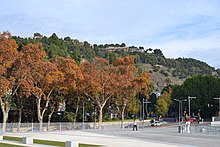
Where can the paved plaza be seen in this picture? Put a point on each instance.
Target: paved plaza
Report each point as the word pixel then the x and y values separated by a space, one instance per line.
pixel 166 136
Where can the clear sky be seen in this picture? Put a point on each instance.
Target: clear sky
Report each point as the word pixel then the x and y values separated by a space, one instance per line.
pixel 180 28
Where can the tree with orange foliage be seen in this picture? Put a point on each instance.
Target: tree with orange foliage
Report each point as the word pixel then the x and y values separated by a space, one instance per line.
pixel 22 94
pixel 8 82
pixel 20 71
pixel 44 77
pixel 98 83
pixel 71 72
pixel 72 75
pixel 143 84
pixel 128 84
pixel 125 69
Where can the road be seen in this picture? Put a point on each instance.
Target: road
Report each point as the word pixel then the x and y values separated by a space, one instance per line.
pixel 164 136
pixel 167 134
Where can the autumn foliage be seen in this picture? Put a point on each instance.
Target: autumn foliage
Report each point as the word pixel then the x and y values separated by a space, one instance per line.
pixel 28 73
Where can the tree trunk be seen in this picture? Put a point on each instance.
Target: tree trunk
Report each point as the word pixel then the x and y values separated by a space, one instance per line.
pixel 52 108
pixel 19 119
pixel 100 117
pixel 5 110
pixel 39 113
pixel 5 119
pixel 77 110
pixel 123 116
pixel 40 124
pixel 48 123
pixel 20 114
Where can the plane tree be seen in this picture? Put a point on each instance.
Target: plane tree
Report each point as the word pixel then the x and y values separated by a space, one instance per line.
pixel 98 83
pixel 43 77
pixel 125 70
pixel 143 85
pixel 9 81
pixel 71 76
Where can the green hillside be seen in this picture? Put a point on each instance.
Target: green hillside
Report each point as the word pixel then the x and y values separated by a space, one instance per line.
pixel 164 70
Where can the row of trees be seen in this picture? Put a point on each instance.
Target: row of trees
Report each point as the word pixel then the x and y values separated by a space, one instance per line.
pixel 205 89
pixel 26 73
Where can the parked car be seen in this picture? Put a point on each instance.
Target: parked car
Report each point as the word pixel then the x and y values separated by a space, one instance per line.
pixel 156 123
pixel 192 119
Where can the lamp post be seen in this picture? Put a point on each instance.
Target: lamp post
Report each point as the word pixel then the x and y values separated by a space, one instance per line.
pixel 189 98
pixel 180 107
pixel 59 113
pixel 83 115
pixel 144 102
pixel 218 106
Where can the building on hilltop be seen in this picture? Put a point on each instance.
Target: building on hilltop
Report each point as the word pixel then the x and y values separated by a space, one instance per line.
pixel 124 49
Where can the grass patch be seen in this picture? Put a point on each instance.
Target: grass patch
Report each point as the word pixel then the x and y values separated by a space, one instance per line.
pixel 47 142
pixel 9 145
pixel 12 138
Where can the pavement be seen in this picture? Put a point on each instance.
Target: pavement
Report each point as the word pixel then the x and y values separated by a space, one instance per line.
pixel 90 138
pixel 149 136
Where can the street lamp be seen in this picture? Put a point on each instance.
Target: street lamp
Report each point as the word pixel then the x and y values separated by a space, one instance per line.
pixel 189 98
pixel 218 106
pixel 83 115
pixel 144 102
pixel 185 100
pixel 180 107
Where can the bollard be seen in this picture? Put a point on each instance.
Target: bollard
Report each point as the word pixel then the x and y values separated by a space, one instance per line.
pixel 180 129
pixel 27 140
pixel 1 135
pixel 72 144
pixel 184 128
pixel 187 127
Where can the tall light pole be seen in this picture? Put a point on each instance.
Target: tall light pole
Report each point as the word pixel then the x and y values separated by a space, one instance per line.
pixel 189 98
pixel 180 107
pixel 218 106
pixel 185 100
pixel 83 115
pixel 144 102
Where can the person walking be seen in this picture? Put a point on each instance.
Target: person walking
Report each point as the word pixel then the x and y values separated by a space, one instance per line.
pixel 135 125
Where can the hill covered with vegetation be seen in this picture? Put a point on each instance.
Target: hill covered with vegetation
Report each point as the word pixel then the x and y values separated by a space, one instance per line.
pixel 164 70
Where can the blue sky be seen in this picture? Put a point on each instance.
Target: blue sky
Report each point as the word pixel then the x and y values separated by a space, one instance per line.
pixel 180 28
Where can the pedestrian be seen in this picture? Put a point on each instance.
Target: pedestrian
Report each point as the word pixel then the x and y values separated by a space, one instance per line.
pixel 135 125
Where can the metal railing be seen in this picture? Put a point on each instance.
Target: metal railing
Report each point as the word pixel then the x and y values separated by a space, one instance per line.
pixel 60 126
pixel 205 129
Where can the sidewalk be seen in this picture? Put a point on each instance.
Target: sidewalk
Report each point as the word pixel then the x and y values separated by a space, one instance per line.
pixel 91 138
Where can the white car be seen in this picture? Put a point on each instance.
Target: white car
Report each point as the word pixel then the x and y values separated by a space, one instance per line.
pixel 156 123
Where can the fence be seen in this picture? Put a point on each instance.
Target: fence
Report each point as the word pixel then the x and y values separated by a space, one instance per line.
pixel 205 129
pixel 34 127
